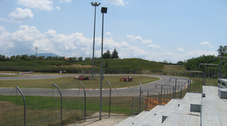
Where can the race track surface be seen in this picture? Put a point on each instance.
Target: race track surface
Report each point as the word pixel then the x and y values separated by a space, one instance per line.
pixel 132 91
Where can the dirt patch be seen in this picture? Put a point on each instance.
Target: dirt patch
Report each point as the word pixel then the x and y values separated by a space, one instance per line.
pixel 78 66
pixel 113 120
pixel 174 68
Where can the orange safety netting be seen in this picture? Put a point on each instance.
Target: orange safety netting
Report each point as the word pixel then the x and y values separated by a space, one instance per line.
pixel 152 102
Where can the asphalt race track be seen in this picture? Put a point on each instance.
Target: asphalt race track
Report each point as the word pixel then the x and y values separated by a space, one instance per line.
pixel 132 91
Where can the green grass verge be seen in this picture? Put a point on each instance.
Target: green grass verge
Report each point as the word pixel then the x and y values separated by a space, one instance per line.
pixel 46 110
pixel 70 82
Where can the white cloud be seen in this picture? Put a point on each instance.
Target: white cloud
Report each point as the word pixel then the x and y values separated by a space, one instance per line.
pixel 2 19
pixel 205 43
pixel 65 1
pixel 58 8
pixel 2 29
pixel 76 45
pixel 180 49
pixel 38 4
pixel 116 2
pixel 154 46
pixel 29 38
pixel 135 38
pixel 20 15
pixel 196 53
pixel 108 33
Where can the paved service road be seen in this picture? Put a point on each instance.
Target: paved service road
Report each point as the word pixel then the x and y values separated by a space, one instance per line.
pixel 132 91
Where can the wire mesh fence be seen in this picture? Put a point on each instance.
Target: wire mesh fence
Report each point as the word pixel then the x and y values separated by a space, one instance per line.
pixel 12 110
pixel 45 106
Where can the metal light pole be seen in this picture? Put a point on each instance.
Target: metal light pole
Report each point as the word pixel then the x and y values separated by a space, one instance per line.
pixel 103 10
pixel 95 5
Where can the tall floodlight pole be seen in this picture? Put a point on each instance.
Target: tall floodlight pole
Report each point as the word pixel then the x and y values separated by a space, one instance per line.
pixel 103 10
pixel 95 5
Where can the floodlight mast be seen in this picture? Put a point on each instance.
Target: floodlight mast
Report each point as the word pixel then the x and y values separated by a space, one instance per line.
pixel 95 5
pixel 103 11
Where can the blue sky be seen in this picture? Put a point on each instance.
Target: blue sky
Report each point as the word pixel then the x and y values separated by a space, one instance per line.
pixel 155 30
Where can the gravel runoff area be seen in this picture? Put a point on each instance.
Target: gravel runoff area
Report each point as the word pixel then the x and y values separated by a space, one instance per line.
pixel 112 121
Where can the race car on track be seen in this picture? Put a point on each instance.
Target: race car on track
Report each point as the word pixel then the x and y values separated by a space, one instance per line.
pixel 126 79
pixel 82 78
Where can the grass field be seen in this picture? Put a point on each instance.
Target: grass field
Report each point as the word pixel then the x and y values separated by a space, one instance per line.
pixel 43 110
pixel 46 110
pixel 70 82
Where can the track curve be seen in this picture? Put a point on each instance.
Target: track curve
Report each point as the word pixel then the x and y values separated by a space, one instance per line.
pixel 132 91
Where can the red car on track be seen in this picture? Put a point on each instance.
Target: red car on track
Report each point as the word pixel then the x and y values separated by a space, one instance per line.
pixel 126 79
pixel 82 77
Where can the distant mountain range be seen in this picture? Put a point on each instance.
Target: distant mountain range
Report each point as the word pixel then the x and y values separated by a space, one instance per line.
pixel 47 54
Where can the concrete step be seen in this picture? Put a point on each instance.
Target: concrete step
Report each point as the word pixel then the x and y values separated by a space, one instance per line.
pixel 183 111
pixel 157 118
pixel 175 112
pixel 123 122
pixel 213 108
pixel 139 118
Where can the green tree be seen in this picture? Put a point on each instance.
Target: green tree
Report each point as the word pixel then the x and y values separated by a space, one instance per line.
pixel 74 59
pixel 25 57
pixel 106 64
pixel 55 58
pixel 62 58
pixel 87 58
pixel 222 50
pixel 48 58
pixel 180 62
pixel 12 57
pixel 18 57
pixel 80 58
pixel 106 55
pixel 165 62
pixel 33 57
pixel 114 54
pixel 2 57
pixel 41 58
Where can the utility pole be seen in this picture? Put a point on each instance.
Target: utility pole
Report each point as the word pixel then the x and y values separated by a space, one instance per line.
pixel 103 10
pixel 95 5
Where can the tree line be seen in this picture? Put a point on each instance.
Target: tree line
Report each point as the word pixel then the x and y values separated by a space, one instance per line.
pixel 106 55
pixel 193 63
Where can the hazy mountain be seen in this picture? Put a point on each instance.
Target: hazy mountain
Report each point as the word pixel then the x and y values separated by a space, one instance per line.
pixel 47 54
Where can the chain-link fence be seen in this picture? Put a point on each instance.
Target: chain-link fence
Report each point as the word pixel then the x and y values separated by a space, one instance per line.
pixel 63 103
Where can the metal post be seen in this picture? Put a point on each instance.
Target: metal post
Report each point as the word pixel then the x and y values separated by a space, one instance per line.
pixel 109 98
pixel 190 83
pixel 61 100
pixel 152 91
pixel 208 70
pixel 140 97
pixel 162 88
pixel 205 73
pixel 100 107
pixel 176 83
pixel 103 10
pixel 84 101
pixel 220 72
pixel 181 90
pixel 161 93
pixel 221 69
pixel 24 104
pixel 94 4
